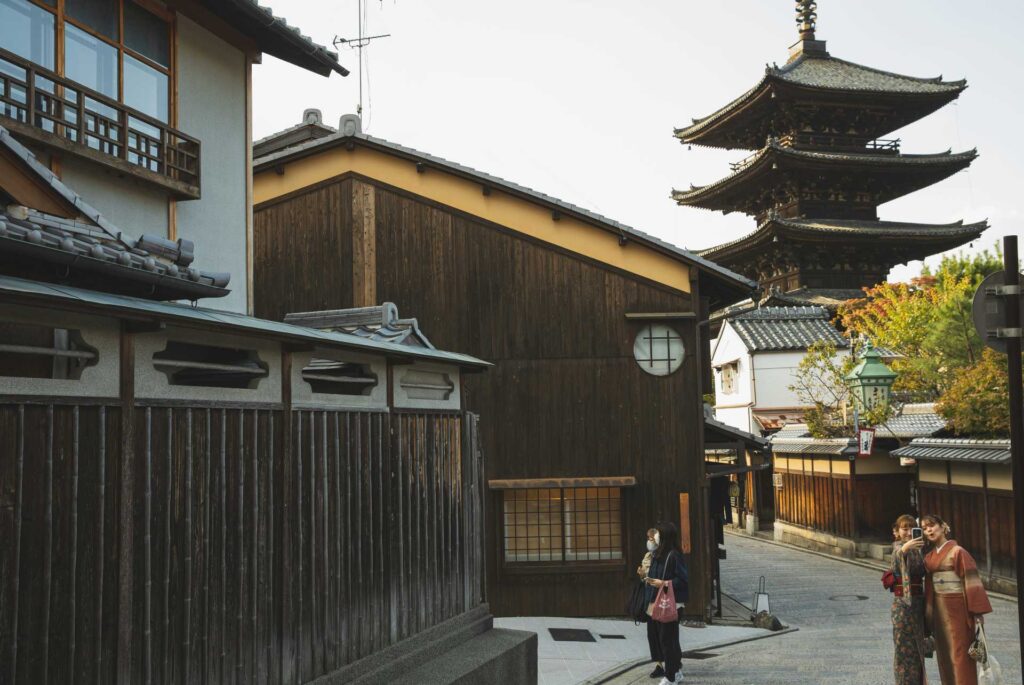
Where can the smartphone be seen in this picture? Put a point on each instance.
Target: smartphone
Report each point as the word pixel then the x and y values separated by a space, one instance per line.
pixel 916 533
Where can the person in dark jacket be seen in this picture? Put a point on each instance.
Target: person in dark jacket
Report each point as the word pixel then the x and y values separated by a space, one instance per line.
pixel 667 566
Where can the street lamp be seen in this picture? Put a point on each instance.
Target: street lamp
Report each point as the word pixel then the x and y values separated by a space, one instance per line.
pixel 870 381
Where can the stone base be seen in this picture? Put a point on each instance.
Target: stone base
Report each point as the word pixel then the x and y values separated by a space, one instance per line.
pixel 463 650
pixel 815 540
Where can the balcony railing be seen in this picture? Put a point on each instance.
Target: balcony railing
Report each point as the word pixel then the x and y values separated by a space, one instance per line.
pixel 54 110
pixel 841 143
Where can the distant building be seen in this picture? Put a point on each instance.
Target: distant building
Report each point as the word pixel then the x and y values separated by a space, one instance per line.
pixel 820 171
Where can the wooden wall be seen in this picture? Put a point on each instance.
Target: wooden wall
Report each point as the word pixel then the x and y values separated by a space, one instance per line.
pixel 816 500
pixel 229 545
pixel 565 397
pixel 982 522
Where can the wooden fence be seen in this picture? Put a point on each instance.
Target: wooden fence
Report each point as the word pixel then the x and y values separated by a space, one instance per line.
pixel 191 544
pixel 982 523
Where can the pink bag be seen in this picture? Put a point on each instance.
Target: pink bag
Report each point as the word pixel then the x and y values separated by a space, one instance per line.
pixel 663 609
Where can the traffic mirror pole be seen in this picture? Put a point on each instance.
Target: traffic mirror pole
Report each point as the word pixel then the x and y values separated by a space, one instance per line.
pixel 1011 268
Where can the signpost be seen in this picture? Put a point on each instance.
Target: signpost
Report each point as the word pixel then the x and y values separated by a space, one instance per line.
pixel 997 316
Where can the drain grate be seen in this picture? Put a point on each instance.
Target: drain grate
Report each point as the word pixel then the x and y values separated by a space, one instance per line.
pixel 571 635
pixel 848 598
pixel 612 637
pixel 698 655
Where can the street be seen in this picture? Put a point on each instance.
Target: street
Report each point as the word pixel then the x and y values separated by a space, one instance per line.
pixel 842 613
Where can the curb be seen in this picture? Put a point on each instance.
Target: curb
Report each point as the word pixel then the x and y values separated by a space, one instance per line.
pixel 845 560
pixel 625 667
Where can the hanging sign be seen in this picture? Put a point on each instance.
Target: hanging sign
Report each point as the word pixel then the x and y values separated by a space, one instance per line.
pixel 865 441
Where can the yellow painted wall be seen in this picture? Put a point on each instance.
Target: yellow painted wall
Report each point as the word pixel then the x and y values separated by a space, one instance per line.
pixel 879 464
pixel 821 465
pixel 966 474
pixel 1000 477
pixel 932 471
pixel 842 467
pixel 521 215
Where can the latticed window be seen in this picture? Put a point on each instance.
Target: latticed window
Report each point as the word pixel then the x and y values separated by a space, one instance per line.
pixel 658 349
pixel 730 372
pixel 562 524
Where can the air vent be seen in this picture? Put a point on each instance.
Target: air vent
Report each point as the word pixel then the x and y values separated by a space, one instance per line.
pixel 31 351
pixel 331 377
pixel 427 385
pixel 207 366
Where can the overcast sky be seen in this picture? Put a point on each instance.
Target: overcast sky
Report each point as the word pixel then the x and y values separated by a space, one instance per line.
pixel 578 99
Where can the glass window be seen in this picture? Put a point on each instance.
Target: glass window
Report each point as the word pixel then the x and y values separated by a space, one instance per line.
pixel 99 15
pixel 145 88
pixel 147 34
pixel 562 524
pixel 28 31
pixel 90 61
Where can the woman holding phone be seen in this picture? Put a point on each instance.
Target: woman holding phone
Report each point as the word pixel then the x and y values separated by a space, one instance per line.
pixel 906 581
pixel 956 600
pixel 667 567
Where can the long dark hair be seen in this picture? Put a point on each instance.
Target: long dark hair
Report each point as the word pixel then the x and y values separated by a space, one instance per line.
pixel 668 535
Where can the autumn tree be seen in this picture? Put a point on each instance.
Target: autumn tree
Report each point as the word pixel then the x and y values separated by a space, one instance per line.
pixel 975 403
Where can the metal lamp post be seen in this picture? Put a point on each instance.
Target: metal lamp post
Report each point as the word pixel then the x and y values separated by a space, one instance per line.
pixel 870 384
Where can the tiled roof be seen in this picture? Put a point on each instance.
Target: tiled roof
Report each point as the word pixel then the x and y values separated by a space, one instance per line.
pixel 45 294
pixel 713 425
pixel 775 153
pixel 828 73
pixel 795 439
pixel 380 323
pixel 911 426
pixel 275 36
pixel 94 251
pixel 786 328
pixel 311 128
pixel 956 449
pixel 734 279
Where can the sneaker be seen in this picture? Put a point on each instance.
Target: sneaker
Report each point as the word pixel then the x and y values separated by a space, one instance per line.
pixel 665 681
pixel 657 672
pixel 679 677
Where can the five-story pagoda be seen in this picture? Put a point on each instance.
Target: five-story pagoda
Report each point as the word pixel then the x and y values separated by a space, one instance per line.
pixel 822 168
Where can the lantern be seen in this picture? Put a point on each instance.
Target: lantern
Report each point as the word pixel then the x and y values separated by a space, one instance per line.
pixel 871 380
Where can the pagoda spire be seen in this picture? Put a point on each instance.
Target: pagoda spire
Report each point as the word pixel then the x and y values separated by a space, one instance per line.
pixel 806 18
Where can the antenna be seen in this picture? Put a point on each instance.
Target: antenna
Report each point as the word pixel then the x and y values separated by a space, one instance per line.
pixel 359 43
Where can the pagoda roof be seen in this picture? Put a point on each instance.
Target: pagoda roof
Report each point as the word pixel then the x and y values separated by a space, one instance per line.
pixel 821 76
pixel 728 193
pixel 934 237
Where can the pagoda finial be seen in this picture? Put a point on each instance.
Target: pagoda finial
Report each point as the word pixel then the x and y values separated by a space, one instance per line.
pixel 806 18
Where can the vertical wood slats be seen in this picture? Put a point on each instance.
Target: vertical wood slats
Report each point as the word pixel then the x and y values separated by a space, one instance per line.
pixel 379 526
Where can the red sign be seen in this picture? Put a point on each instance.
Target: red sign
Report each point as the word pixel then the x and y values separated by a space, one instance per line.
pixel 865 440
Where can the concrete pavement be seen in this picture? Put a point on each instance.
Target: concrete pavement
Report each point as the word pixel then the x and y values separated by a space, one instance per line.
pixel 842 613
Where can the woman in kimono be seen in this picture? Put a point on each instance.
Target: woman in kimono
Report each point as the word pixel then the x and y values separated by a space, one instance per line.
pixel 956 599
pixel 906 582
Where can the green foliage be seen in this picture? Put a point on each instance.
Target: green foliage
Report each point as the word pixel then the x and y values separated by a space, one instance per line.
pixel 976 402
pixel 820 383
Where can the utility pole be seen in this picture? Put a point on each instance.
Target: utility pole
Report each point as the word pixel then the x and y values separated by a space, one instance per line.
pixel 1011 269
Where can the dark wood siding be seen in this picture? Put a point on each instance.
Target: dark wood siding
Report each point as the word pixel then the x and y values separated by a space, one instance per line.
pixel 565 397
pixel 261 546
pixel 816 500
pixel 963 508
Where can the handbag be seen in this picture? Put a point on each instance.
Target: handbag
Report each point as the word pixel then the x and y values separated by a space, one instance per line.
pixel 889 580
pixel 636 607
pixel 989 671
pixel 663 609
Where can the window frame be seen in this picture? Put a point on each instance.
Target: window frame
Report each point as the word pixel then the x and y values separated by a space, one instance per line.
pixel 562 565
pixel 170 71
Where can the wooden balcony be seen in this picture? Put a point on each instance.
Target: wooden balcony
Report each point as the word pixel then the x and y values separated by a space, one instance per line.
pixel 41 106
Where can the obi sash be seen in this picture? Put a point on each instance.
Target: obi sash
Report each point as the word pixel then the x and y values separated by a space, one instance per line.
pixel 947 583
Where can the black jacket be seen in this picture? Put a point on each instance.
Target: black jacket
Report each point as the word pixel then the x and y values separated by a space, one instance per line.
pixel 676 572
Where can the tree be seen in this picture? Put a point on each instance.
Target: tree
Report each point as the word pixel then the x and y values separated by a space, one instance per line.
pixel 820 383
pixel 975 404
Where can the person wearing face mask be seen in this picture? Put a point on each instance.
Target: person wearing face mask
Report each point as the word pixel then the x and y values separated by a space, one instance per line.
pixel 955 601
pixel 652 636
pixel 667 566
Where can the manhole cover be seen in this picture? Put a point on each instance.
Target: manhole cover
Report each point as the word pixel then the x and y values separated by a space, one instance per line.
pixel 571 635
pixel 848 598
pixel 612 637
pixel 698 655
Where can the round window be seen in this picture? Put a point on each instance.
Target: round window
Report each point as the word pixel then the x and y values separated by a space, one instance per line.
pixel 658 349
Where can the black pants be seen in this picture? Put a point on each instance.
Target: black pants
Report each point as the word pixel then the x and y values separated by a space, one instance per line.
pixel 663 639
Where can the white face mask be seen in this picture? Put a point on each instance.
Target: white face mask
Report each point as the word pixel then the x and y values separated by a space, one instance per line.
pixel 651 545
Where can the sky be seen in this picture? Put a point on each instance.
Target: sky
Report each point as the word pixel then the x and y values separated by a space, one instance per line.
pixel 578 99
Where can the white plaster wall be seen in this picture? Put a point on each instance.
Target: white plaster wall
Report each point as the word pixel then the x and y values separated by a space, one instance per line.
pixel 774 372
pixel 733 409
pixel 211 107
pixel 132 206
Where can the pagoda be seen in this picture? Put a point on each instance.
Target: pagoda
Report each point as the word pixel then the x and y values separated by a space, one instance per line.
pixel 820 170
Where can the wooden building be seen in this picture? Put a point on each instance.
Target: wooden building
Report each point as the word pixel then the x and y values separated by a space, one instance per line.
pixel 820 171
pixel 969 483
pixel 191 494
pixel 594 428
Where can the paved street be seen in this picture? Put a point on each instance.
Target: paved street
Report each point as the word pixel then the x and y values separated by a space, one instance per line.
pixel 841 638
